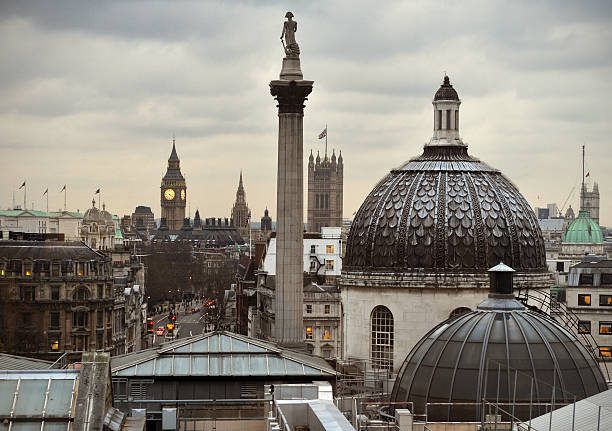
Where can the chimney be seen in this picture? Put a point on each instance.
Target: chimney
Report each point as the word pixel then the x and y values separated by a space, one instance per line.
pixel 500 278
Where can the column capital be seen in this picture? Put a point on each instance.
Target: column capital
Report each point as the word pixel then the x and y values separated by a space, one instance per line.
pixel 290 95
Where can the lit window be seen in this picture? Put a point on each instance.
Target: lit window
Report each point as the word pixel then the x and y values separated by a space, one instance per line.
pixel 605 300
pixel 584 327
pixel 309 332
pixel 54 343
pixel 2 272
pixel 329 264
pixel 308 308
pixel 329 249
pixel 584 299
pixel 605 328
pixel 605 352
pixel 326 332
pixel 327 308
pixel 28 273
pixel 381 338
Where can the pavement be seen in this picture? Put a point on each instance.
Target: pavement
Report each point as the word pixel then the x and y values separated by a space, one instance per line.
pixel 188 324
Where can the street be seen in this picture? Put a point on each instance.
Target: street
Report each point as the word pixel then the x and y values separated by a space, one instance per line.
pixel 186 324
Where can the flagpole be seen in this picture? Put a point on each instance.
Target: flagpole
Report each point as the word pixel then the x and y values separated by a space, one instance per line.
pixel 47 200
pixel 326 132
pixel 65 197
pixel 25 192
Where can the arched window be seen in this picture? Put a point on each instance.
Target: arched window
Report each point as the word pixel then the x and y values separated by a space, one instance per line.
pixel 458 312
pixel 381 332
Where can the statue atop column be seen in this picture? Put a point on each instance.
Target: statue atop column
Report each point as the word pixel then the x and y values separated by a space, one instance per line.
pixel 292 49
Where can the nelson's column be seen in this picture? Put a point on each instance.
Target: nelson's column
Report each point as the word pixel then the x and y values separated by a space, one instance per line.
pixel 290 91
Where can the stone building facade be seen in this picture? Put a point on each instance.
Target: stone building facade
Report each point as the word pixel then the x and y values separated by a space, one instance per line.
pixel 66 223
pixel 98 228
pixel 55 297
pixel 173 193
pixel 325 188
pixel 143 217
pixel 241 214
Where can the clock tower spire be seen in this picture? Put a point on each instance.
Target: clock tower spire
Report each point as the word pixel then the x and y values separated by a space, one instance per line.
pixel 173 192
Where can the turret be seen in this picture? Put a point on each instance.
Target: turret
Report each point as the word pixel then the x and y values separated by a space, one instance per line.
pixel 333 158
pixel 318 159
pixel 446 116
pixel 311 161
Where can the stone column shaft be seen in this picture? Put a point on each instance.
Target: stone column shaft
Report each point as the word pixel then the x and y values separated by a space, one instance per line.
pixel 290 210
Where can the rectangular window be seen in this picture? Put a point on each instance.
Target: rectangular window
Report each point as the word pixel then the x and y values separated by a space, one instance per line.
pixel 326 201
pixel 27 269
pixel 27 293
pixel 55 270
pixel 99 341
pixel 605 300
pixel 439 112
pixel 327 332
pixel 309 332
pixel 313 249
pixel 316 201
pixel 327 308
pixel 605 352
pixel 448 118
pixel 329 249
pixel 308 308
pixel 457 119
pixel 79 319
pixel 100 290
pixel 26 320
pixel 584 299
pixel 55 293
pixel 313 265
pixel 560 266
pixel 584 326
pixel 605 328
pixel 54 320
pixel 326 353
pixel 586 279
pixel 329 264
pixel 100 319
pixel 606 278
pixel 54 342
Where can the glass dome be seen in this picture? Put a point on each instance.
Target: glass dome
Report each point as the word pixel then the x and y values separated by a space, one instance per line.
pixel 500 348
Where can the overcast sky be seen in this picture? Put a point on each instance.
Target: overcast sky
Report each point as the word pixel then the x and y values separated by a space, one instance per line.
pixel 92 92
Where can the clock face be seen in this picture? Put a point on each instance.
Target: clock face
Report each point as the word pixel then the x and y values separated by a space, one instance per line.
pixel 169 194
pixel 182 194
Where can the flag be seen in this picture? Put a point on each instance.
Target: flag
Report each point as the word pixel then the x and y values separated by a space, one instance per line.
pixel 323 133
pixel 588 173
pixel 63 188
pixel 97 192
pixel 46 191
pixel 22 186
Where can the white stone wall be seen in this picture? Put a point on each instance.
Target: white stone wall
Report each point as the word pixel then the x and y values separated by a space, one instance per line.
pixel 415 312
pixel 331 236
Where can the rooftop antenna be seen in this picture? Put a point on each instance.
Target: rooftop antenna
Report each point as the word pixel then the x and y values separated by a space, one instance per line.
pixel 582 190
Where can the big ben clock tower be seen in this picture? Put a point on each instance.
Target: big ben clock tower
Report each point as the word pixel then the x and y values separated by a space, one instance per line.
pixel 173 193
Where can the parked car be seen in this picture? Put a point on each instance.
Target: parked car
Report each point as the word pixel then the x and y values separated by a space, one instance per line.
pixel 160 331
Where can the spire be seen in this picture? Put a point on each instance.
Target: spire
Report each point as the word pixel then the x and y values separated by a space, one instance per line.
pixel 318 158
pixel 173 155
pixel 583 187
pixel 240 186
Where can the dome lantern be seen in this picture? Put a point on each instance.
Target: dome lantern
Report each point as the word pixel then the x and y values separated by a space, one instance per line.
pixel 446 116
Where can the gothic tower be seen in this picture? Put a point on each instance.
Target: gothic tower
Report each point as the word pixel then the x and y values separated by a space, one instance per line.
pixel 590 201
pixel 325 184
pixel 240 211
pixel 173 193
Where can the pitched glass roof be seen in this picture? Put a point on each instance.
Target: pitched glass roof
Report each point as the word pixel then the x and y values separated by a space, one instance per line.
pixel 220 354
pixel 36 397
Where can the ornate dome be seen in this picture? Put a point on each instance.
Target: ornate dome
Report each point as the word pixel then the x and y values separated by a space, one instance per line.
pixel 444 211
pixel 459 359
pixel 93 213
pixel 583 229
pixel 446 91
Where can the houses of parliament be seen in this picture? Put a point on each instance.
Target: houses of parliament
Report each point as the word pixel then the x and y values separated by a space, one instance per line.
pixel 325 191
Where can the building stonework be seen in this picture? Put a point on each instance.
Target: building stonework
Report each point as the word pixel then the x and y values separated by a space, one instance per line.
pixel 241 214
pixel 589 200
pixel 325 188
pixel 55 297
pixel 173 193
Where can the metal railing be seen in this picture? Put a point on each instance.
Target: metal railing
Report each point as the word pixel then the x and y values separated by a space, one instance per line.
pixel 560 312
pixel 61 362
